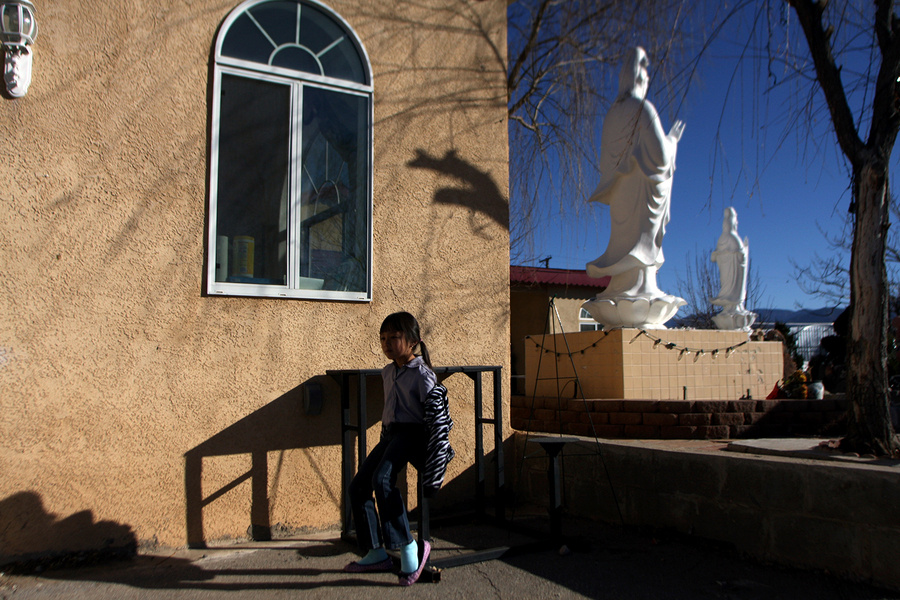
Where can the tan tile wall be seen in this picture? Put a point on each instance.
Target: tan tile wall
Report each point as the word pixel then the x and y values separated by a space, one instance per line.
pixel 652 365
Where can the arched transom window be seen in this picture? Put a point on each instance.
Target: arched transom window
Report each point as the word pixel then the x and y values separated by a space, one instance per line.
pixel 291 155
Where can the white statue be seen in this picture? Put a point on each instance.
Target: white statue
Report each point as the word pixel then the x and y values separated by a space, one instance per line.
pixel 733 257
pixel 637 162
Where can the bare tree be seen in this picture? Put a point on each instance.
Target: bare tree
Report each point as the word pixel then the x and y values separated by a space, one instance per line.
pixel 874 24
pixel 698 285
pixel 827 276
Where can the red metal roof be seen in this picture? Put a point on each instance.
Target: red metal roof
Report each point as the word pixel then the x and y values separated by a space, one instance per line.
pixel 533 275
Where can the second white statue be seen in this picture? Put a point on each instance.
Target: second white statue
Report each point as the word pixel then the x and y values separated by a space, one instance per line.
pixel 732 254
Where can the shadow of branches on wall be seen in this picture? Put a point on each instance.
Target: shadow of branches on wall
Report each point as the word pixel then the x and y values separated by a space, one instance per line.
pixel 478 193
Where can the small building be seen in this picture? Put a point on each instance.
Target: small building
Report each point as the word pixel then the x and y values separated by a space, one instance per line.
pixel 530 295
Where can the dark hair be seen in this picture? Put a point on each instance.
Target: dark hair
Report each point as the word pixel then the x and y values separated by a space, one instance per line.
pixel 406 324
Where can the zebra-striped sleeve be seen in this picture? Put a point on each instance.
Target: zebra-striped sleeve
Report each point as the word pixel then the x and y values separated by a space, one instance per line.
pixel 438 451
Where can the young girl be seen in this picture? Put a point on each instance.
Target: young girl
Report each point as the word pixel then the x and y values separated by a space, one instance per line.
pixel 415 425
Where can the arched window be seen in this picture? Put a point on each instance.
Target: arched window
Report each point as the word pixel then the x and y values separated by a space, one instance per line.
pixel 291 155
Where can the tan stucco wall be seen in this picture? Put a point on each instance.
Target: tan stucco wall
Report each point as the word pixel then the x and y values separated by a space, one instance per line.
pixel 113 363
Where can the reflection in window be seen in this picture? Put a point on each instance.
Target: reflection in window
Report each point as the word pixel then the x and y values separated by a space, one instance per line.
pixel 290 187
pixel 331 198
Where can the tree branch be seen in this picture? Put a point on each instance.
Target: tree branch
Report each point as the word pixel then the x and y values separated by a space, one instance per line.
pixel 886 104
pixel 528 50
pixel 828 73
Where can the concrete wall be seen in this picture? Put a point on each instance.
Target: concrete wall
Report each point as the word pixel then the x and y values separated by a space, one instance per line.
pixel 828 515
pixel 114 365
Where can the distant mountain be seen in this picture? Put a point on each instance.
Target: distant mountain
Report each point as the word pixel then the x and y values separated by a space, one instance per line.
pixel 770 316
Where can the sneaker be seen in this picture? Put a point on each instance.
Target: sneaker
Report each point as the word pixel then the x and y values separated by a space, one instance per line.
pixel 411 578
pixel 385 565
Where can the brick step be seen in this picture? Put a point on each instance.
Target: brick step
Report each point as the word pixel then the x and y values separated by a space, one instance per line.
pixel 678 419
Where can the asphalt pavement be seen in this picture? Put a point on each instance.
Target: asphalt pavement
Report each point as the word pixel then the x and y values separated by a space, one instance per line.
pixel 594 560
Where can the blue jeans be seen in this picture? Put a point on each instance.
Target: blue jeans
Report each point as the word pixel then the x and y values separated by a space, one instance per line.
pixel 374 497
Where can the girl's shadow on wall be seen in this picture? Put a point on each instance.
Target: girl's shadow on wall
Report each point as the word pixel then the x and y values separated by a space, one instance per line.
pixel 38 539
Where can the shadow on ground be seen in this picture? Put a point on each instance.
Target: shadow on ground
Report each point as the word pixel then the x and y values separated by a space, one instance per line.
pixel 607 562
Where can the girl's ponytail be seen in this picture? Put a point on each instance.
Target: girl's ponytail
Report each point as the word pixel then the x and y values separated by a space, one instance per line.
pixel 425 356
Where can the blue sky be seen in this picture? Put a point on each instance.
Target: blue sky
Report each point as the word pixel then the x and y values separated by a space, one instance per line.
pixel 783 186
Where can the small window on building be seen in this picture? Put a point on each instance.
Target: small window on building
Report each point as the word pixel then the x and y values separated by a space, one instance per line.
pixel 291 155
pixel 586 322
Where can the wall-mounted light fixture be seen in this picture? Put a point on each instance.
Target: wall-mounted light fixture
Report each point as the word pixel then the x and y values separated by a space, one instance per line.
pixel 18 28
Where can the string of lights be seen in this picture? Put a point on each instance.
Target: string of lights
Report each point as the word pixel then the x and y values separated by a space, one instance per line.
pixel 657 342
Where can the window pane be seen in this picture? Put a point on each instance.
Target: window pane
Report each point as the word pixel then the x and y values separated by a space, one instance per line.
pixel 246 41
pixel 253 181
pixel 331 45
pixel 292 36
pixel 334 191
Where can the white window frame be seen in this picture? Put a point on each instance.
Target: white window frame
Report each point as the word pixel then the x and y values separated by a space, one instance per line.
pixel 586 322
pixel 297 81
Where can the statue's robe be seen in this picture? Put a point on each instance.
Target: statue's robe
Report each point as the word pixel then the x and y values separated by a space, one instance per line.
pixel 637 162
